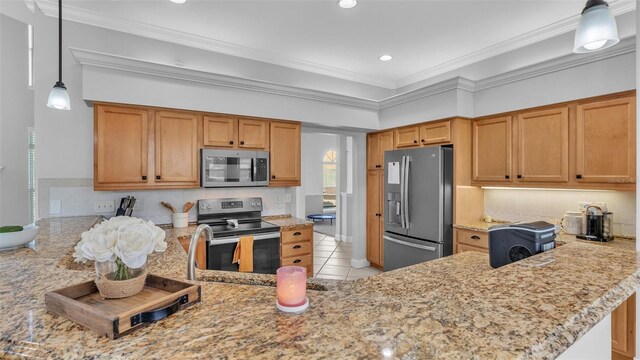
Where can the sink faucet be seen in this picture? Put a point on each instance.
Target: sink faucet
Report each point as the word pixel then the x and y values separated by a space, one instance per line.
pixel 193 245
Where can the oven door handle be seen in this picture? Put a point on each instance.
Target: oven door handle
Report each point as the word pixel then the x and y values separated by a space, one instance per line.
pixel 231 240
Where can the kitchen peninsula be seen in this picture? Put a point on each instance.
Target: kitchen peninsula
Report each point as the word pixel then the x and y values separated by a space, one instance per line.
pixel 533 309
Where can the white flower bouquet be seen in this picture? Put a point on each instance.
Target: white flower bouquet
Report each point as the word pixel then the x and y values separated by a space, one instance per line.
pixel 127 241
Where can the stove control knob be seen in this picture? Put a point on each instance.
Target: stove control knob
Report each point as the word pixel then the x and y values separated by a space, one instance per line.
pixel 202 206
pixel 254 204
pixel 259 203
pixel 209 206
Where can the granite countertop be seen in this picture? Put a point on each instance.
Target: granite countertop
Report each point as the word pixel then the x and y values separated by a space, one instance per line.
pixel 288 222
pixel 456 307
pixel 621 242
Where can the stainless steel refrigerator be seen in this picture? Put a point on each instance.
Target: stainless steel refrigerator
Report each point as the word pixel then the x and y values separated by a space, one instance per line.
pixel 418 200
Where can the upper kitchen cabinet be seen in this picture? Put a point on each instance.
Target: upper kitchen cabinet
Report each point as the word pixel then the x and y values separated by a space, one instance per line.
pixel 492 149
pixel 606 142
pixel 542 145
pixel 121 136
pixel 407 137
pixel 284 154
pixel 253 134
pixel 435 133
pixel 220 131
pixel 377 144
pixel 176 147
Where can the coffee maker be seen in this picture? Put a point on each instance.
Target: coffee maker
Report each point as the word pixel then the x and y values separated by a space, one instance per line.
pixel 599 225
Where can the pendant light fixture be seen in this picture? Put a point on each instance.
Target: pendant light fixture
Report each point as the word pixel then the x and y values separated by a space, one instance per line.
pixel 597 29
pixel 58 97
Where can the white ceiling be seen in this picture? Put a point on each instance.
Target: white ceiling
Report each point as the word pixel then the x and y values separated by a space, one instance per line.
pixel 425 37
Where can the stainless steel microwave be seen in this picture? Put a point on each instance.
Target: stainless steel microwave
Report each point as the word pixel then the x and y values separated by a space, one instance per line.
pixel 231 168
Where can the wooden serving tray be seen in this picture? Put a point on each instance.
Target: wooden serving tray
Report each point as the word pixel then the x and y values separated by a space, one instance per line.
pixel 113 318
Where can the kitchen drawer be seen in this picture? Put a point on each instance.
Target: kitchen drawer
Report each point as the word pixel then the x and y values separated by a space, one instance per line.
pixel 302 260
pixel 296 249
pixel 473 238
pixel 465 247
pixel 291 236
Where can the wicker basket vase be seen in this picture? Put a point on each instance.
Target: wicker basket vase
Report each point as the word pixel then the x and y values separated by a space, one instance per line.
pixel 115 280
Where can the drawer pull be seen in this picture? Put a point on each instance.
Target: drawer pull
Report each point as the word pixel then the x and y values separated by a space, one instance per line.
pixel 144 177
pixel 475 237
pixel 297 247
pixel 297 233
pixel 578 176
pixel 296 261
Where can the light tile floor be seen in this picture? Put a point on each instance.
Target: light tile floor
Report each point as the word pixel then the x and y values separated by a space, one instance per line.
pixel 332 260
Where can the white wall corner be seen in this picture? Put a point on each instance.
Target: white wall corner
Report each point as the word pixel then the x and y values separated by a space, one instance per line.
pixel 360 263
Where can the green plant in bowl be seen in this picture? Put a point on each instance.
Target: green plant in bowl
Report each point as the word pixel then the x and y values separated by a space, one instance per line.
pixel 10 228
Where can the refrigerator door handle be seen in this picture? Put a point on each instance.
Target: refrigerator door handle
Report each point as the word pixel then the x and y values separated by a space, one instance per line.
pixel 405 202
pixel 404 243
pixel 402 190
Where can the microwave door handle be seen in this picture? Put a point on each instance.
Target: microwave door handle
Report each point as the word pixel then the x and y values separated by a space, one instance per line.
pixel 254 169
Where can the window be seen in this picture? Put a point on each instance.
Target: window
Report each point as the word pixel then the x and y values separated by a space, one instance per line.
pixel 329 180
pixel 31 174
pixel 30 49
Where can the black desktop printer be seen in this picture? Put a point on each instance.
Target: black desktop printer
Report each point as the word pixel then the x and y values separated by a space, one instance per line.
pixel 513 242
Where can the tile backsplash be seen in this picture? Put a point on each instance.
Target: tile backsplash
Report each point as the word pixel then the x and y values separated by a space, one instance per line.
pixel 75 198
pixel 550 205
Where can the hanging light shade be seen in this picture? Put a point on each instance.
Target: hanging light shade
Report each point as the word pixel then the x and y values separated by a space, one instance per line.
pixel 597 29
pixel 58 97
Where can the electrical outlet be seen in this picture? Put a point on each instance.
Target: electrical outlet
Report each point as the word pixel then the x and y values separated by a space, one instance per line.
pixel 104 206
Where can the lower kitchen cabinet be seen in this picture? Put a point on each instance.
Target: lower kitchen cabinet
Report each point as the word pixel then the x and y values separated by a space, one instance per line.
pixel 623 332
pixel 296 248
pixel 201 250
pixel 375 217
pixel 468 240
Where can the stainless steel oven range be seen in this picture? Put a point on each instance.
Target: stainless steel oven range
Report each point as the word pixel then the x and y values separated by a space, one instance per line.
pixel 234 217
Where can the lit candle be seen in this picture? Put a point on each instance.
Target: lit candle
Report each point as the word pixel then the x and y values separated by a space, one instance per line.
pixel 292 286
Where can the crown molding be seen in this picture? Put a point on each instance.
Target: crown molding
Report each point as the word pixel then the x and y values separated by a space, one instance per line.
pixel 625 46
pixel 49 8
pixel 558 28
pixel 457 83
pixel 131 65
pixel 83 16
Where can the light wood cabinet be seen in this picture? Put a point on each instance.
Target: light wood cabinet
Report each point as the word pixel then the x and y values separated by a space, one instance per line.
pixel 375 217
pixel 435 133
pixel 623 323
pixel 253 134
pixel 176 147
pixel 605 141
pixel 220 131
pixel 285 154
pixel 492 149
pixel 542 145
pixel 407 137
pixel 377 144
pixel 296 248
pixel 121 138
pixel 468 240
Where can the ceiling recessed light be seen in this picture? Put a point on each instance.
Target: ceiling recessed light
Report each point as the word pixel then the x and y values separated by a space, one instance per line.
pixel 178 1
pixel 347 4
pixel 385 57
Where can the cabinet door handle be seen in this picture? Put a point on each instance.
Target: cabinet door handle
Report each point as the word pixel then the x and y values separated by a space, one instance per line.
pixel 297 233
pixel 506 176
pixel 296 261
pixel 158 177
pixel 475 237
pixel 519 176
pixel 241 142
pixel 415 141
pixel 144 177
pixel 578 176
pixel 422 140
pixel 297 247
pixel 231 142
pixel 273 176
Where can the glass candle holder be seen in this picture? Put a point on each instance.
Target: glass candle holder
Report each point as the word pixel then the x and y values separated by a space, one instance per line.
pixel 292 289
